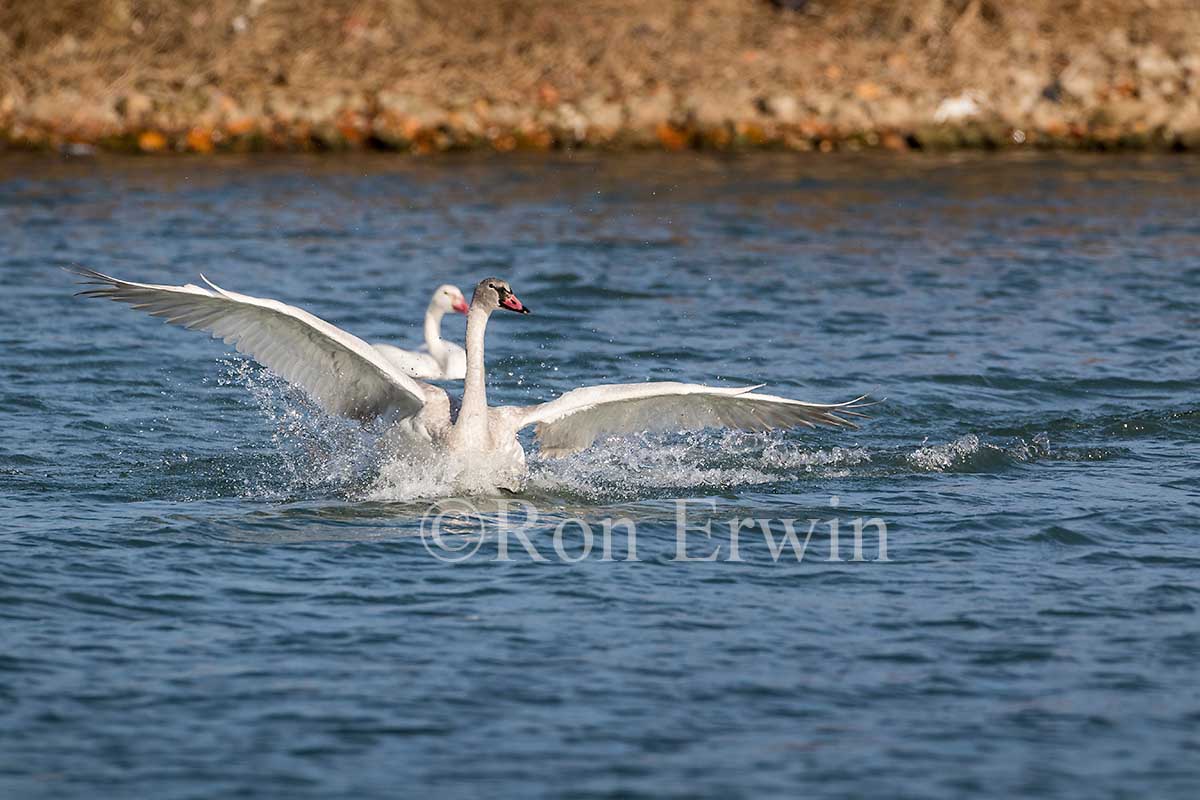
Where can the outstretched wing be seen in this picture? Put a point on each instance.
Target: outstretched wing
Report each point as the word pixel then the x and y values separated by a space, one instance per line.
pixel 574 421
pixel 344 374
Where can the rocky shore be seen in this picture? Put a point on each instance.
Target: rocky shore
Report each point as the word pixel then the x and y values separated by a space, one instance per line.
pixel 242 75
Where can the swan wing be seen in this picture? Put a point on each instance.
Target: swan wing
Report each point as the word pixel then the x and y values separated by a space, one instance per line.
pixel 344 374
pixel 573 422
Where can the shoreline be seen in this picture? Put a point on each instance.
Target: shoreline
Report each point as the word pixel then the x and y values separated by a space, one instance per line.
pixel 364 134
pixel 524 75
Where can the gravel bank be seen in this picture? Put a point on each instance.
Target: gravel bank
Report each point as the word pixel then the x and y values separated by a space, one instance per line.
pixel 420 76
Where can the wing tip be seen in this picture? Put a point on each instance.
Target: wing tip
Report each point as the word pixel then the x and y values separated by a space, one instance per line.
pixel 862 401
pixel 92 276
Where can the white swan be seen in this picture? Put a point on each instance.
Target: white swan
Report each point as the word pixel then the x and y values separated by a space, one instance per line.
pixel 440 360
pixel 348 376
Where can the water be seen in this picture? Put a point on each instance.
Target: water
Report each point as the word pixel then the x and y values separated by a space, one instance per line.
pixel 210 589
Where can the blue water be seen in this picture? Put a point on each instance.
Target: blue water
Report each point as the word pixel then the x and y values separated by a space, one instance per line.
pixel 209 589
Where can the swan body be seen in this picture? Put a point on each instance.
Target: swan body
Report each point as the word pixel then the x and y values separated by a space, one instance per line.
pixel 345 375
pixel 437 360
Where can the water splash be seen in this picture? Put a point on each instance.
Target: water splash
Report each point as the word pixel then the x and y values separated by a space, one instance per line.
pixel 411 472
pixel 654 464
pixel 969 453
pixel 312 452
pixel 315 454
pixel 943 457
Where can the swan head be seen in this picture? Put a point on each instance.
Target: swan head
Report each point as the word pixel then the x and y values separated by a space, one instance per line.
pixel 448 298
pixel 492 294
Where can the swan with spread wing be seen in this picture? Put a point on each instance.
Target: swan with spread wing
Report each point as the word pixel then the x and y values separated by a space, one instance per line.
pixel 281 337
pixel 345 375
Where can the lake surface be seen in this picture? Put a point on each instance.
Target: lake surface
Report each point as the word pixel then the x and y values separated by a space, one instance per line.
pixel 208 588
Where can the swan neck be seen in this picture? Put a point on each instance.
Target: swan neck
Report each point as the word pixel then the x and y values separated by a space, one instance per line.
pixel 474 390
pixel 433 330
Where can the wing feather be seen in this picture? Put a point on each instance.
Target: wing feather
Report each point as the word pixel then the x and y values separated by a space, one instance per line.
pixel 344 374
pixel 574 421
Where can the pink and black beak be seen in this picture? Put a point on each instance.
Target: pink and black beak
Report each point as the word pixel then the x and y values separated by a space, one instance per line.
pixel 460 305
pixel 509 300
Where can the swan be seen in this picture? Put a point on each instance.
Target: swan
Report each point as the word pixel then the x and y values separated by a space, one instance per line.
pixel 441 360
pixel 347 376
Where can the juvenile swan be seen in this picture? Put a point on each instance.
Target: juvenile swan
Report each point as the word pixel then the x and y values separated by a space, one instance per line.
pixel 348 376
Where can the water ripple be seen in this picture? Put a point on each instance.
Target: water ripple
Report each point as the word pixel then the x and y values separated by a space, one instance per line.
pixel 208 587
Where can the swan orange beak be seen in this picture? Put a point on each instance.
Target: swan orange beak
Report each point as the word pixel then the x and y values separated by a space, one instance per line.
pixel 511 302
pixel 460 305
